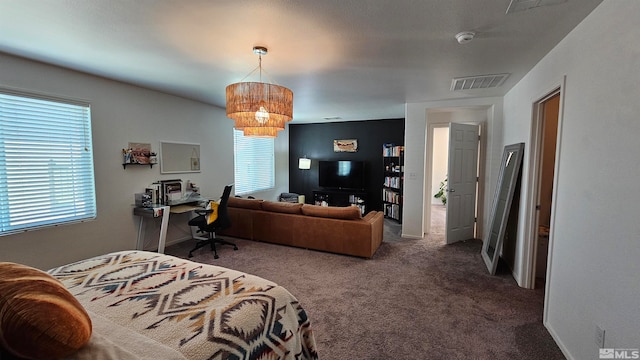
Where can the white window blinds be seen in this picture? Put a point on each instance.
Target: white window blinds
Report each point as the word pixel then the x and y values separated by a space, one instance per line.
pixel 46 163
pixel 254 164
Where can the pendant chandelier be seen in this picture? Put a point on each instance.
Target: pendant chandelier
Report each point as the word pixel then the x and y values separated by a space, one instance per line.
pixel 259 109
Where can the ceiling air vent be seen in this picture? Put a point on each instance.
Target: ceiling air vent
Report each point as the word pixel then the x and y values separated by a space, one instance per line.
pixel 478 82
pixel 522 5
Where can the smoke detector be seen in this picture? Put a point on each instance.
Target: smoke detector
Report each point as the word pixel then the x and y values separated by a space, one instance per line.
pixel 465 37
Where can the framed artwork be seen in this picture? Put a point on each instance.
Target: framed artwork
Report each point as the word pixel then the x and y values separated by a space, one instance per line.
pixel 349 145
pixel 195 163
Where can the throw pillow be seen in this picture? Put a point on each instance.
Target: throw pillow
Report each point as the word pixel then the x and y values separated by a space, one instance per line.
pixel 39 318
pixel 213 206
pixel 282 207
pixel 237 202
pixel 334 212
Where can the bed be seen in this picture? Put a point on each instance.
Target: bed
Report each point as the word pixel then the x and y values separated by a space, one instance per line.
pixel 147 305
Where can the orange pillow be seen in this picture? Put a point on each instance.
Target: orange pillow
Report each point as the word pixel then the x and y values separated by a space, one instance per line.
pixel 334 212
pixel 282 207
pixel 39 318
pixel 237 202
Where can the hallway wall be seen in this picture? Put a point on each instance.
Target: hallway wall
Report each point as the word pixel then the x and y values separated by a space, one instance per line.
pixel 594 263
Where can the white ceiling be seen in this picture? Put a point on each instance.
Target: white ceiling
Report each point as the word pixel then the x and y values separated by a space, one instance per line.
pixel 353 59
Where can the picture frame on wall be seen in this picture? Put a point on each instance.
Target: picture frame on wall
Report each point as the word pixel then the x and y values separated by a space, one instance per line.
pixel 177 157
pixel 195 163
pixel 348 145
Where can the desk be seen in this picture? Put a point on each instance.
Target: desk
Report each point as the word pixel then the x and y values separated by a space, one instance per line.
pixel 160 211
pixel 179 209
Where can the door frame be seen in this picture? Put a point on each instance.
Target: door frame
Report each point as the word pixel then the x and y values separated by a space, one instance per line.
pixel 531 215
pixel 482 149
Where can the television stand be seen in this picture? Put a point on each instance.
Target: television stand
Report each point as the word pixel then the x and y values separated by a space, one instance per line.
pixel 341 197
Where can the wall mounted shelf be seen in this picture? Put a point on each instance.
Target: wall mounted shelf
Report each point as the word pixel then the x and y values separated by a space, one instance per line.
pixel 124 166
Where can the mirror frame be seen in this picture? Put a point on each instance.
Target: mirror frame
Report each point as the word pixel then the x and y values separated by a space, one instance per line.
pixel 504 191
pixel 169 150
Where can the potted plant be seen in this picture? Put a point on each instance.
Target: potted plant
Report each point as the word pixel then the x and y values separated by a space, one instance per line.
pixel 442 192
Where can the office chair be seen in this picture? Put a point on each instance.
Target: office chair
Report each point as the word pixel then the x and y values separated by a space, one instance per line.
pixel 222 222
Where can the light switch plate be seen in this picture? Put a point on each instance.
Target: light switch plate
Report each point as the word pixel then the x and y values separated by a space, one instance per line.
pixel 599 337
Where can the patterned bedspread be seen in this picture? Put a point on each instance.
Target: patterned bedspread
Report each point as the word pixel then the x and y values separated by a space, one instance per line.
pixel 202 311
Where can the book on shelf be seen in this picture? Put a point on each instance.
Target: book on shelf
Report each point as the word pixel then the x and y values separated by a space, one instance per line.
pixel 391 196
pixel 392 211
pixel 392 150
pixel 392 182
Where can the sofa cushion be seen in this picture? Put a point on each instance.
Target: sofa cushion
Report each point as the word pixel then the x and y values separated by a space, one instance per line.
pixel 241 223
pixel 254 204
pixel 282 207
pixel 347 212
pixel 39 318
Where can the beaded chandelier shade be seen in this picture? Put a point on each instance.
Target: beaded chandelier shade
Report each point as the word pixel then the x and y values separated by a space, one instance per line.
pixel 259 109
pixel 261 131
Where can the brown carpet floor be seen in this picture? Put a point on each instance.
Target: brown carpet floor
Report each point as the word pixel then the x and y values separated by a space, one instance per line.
pixel 416 299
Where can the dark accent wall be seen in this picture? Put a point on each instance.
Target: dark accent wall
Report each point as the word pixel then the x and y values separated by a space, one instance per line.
pixel 315 141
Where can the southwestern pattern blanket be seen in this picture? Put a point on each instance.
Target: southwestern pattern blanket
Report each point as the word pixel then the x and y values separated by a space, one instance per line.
pixel 201 311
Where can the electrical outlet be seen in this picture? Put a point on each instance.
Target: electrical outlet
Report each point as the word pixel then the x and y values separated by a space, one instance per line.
pixel 599 337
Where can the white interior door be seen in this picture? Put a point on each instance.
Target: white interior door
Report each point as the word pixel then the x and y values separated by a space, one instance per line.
pixel 462 181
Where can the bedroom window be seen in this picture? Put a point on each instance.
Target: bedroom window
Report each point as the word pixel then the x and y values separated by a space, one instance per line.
pixel 46 162
pixel 254 165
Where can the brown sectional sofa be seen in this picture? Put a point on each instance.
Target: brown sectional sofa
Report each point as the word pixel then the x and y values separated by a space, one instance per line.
pixel 339 230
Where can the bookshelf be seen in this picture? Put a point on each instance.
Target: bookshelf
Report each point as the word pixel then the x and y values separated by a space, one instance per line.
pixel 393 165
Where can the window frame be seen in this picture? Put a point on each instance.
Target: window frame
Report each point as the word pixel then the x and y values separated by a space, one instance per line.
pixel 35 194
pixel 248 179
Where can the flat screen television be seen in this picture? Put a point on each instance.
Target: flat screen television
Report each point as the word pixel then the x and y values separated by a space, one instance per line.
pixel 341 174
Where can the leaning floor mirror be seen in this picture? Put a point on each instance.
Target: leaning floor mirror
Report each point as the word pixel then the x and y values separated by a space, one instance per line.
pixel 507 179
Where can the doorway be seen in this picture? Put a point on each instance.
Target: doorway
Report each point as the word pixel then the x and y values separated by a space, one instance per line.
pixel 438 120
pixel 550 110
pixel 439 167
pixel 546 128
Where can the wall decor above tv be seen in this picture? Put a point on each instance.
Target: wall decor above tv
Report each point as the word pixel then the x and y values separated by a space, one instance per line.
pixel 350 145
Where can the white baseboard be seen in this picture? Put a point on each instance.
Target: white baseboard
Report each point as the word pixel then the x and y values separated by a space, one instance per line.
pixel 559 342
pixel 411 236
